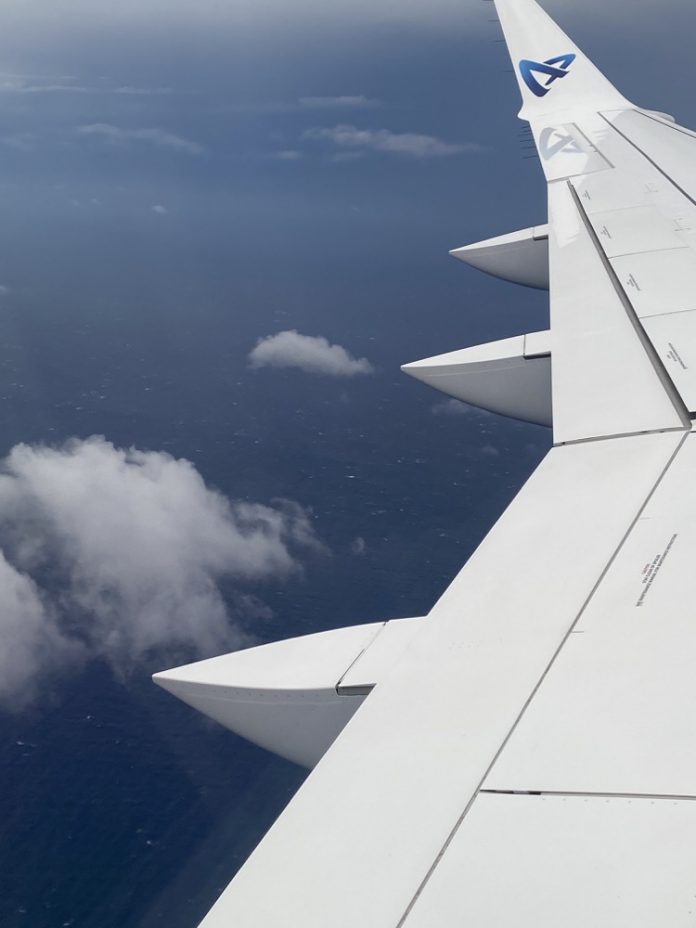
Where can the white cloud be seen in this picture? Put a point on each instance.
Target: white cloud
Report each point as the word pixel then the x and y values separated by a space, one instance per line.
pixel 22 86
pixel 288 154
pixel 135 547
pixel 358 545
pixel 143 91
pixel 20 141
pixel 159 138
pixel 31 644
pixel 310 353
pixel 305 104
pixel 411 144
pixel 360 102
pixel 13 84
pixel 457 408
pixel 160 210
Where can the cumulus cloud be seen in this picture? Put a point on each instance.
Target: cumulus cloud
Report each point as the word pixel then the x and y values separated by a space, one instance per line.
pixel 158 138
pixel 310 353
pixel 31 644
pixel 410 144
pixel 359 102
pixel 120 555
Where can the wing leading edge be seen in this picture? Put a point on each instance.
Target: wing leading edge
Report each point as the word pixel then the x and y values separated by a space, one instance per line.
pixel 530 754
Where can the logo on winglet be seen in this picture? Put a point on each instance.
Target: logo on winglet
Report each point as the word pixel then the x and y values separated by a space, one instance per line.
pixel 552 69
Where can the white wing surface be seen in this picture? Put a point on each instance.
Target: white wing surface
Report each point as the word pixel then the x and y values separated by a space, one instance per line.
pixel 527 754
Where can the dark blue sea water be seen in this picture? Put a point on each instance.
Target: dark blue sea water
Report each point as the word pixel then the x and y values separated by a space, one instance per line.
pixel 120 807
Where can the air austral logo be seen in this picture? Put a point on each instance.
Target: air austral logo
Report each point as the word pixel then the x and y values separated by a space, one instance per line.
pixel 552 69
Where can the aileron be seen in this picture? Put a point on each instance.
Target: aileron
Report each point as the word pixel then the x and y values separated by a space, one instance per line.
pixel 575 861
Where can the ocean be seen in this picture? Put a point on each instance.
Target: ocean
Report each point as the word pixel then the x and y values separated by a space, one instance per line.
pixel 120 807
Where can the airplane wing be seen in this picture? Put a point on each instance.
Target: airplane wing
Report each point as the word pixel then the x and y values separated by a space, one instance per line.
pixel 526 753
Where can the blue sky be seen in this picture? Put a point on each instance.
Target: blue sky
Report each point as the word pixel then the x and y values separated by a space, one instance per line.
pixel 225 115
pixel 224 85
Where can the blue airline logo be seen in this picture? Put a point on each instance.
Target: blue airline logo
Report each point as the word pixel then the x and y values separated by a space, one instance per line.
pixel 553 68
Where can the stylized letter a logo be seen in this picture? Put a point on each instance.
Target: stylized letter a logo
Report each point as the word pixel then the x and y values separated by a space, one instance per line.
pixel 553 68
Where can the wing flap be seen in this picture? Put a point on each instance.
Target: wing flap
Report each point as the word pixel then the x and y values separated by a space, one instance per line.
pixel 612 715
pixel 635 230
pixel 669 146
pixel 565 860
pixel 673 335
pixel 604 382
pixel 644 227
pixel 659 283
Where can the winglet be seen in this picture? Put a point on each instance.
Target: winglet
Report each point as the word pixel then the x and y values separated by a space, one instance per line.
pixel 552 72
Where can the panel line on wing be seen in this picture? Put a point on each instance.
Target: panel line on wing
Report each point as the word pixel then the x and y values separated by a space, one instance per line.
pixel 598 438
pixel 682 130
pixel 611 716
pixel 647 157
pixel 592 144
pixel 544 675
pixel 672 797
pixel 656 361
pixel 571 861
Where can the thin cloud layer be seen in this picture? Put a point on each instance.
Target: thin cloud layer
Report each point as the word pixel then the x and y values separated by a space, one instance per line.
pixel 457 408
pixel 288 154
pixel 16 84
pixel 158 138
pixel 312 354
pixel 410 144
pixel 120 554
pixel 272 16
pixel 360 102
